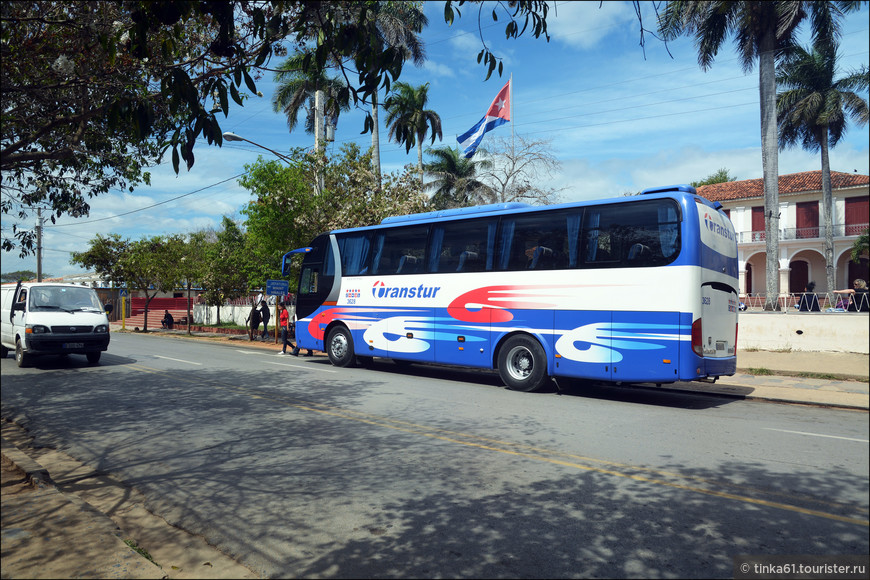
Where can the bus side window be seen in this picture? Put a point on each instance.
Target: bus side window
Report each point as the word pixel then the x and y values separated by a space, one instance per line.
pixel 400 250
pixel 464 246
pixel 355 253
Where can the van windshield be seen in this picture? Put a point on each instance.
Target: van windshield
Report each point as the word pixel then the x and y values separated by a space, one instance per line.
pixel 64 298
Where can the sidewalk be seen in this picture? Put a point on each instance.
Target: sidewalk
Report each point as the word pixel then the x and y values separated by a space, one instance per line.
pixel 50 534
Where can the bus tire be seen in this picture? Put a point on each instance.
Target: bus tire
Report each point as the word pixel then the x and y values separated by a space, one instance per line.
pixel 339 347
pixel 522 364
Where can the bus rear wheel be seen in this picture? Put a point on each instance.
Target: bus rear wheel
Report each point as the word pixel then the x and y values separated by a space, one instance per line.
pixel 339 347
pixel 522 364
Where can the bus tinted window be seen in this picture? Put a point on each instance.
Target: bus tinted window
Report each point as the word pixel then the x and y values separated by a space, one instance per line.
pixel 632 235
pixel 400 250
pixel 462 246
pixel 355 251
pixel 534 242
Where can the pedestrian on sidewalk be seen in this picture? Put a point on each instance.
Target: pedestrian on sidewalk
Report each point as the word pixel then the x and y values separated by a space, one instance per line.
pixel 253 322
pixel 284 324
pixel 167 321
pixel 265 315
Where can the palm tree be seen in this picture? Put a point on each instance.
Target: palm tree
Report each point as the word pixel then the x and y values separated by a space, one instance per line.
pixel 761 30
pixel 397 25
pixel 812 111
pixel 409 120
pixel 297 90
pixel 455 183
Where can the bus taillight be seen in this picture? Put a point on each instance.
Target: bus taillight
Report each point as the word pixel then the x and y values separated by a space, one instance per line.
pixel 697 343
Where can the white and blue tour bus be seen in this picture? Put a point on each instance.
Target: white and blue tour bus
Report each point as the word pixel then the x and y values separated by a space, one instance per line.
pixel 632 289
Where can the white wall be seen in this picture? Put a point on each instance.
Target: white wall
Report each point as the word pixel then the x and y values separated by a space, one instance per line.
pixel 804 331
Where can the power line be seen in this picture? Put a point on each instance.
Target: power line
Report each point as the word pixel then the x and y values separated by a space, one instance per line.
pixel 152 205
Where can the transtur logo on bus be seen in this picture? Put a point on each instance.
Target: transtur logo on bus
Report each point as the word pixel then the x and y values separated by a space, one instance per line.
pixel 379 290
pixel 717 228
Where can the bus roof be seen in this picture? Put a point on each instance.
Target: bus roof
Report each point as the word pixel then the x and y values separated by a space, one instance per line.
pixel 512 207
pixel 459 211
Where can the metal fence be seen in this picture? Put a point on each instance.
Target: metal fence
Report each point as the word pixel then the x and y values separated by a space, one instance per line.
pixel 790 302
pixel 809 233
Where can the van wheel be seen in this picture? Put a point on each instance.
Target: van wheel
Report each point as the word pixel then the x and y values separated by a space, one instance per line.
pixel 4 352
pixel 522 364
pixel 21 357
pixel 339 347
pixel 93 357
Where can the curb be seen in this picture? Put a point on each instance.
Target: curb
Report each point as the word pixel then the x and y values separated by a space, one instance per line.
pixel 33 471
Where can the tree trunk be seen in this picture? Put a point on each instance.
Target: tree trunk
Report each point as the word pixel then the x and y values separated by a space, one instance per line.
pixel 769 164
pixel 420 160
pixel 828 209
pixel 376 139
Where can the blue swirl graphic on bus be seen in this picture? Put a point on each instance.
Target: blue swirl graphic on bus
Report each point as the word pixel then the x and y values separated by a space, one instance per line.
pixel 601 342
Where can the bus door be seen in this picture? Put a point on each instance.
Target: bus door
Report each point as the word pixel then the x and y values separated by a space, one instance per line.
pixel 316 281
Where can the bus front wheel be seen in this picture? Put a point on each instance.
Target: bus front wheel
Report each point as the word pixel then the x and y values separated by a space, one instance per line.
pixel 340 347
pixel 522 364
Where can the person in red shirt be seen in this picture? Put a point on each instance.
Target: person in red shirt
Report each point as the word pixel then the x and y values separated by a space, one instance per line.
pixel 284 325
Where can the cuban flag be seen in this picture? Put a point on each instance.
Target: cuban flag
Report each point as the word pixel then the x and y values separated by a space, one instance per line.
pixel 499 113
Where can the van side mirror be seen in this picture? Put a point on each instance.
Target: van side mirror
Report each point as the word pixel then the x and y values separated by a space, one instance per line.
pixel 19 306
pixel 109 307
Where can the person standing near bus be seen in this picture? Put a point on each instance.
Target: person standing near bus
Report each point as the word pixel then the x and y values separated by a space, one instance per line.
pixel 265 315
pixel 284 325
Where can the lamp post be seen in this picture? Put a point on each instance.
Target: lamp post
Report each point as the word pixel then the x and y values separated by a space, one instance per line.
pixel 233 137
pixel 318 185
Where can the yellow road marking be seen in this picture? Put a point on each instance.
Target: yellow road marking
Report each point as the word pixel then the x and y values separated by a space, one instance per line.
pixel 533 453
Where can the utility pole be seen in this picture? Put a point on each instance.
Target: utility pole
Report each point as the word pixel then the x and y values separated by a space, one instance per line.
pixel 39 244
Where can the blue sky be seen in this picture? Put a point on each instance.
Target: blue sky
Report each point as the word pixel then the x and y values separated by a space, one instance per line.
pixel 619 119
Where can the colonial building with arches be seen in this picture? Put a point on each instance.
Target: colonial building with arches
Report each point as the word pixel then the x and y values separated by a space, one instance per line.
pixel 801 231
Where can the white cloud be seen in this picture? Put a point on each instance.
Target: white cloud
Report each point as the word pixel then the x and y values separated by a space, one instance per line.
pixel 584 25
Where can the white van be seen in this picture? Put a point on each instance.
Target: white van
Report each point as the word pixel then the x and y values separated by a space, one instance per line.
pixel 49 318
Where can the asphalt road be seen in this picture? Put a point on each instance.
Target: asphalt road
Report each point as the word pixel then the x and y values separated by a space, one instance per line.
pixel 301 469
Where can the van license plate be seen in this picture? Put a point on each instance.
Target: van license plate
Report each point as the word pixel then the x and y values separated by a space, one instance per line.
pixel 74 345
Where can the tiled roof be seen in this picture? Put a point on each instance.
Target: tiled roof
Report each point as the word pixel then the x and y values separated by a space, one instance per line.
pixel 792 183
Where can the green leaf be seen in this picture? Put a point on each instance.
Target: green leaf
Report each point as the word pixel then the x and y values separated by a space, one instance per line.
pixel 252 86
pixel 234 93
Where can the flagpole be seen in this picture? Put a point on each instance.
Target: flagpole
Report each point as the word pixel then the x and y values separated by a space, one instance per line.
pixel 511 97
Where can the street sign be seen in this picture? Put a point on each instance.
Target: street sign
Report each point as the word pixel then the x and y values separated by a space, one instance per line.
pixel 277 287
pixel 123 291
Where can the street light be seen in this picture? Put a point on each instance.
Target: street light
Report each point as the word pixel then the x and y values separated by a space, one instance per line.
pixel 233 137
pixel 318 182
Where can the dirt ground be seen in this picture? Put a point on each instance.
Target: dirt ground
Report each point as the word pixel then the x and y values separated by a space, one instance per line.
pixel 178 553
